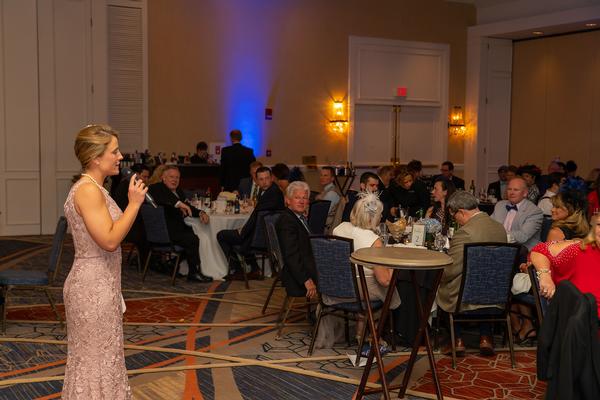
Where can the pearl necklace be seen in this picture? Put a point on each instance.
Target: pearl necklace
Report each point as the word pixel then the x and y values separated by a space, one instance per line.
pixel 93 180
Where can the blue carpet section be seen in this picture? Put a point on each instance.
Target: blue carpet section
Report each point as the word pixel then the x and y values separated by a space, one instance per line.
pixel 30 391
pixel 7 247
pixel 205 383
pixel 268 384
pixel 15 356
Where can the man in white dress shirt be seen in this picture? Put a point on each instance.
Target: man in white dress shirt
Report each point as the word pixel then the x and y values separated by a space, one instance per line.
pixel 521 218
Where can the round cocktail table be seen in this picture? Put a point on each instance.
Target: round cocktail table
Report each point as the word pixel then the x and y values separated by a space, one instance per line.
pixel 399 259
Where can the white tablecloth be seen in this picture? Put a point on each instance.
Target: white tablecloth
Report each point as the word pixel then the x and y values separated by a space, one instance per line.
pixel 211 256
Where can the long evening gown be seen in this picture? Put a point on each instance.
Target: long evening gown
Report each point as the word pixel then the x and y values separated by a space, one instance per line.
pixel 93 304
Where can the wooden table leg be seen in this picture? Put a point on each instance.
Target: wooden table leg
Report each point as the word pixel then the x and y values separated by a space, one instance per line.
pixel 424 311
pixel 376 332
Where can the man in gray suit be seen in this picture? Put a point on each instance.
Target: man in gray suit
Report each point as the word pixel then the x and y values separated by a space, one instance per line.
pixel 476 226
pixel 521 219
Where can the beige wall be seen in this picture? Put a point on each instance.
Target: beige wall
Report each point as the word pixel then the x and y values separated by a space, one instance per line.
pixel 556 101
pixel 214 65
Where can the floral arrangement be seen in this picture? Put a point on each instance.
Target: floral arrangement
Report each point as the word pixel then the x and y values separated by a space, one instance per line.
pixel 431 225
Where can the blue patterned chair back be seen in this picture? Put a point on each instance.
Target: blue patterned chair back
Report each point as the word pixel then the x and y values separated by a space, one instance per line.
pixel 317 216
pixel 335 274
pixel 487 273
pixel 259 236
pixel 273 245
pixel 57 244
pixel 155 224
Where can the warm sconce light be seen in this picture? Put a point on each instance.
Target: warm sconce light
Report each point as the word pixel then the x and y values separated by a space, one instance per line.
pixel 456 126
pixel 338 122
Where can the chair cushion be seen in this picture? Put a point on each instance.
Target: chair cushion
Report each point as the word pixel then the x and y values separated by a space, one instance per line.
pixel 168 248
pixel 19 277
pixel 353 306
pixel 492 311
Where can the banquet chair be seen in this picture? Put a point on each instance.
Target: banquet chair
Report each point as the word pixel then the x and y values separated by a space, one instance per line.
pixel 276 259
pixel 336 277
pixel 258 244
pixel 337 216
pixel 37 280
pixel 159 241
pixel 317 216
pixel 486 281
pixel 541 303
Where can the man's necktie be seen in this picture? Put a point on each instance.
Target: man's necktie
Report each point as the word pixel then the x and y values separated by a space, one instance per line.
pixel 511 207
pixel 305 222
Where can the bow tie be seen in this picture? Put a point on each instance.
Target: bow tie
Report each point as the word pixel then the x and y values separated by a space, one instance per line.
pixel 511 207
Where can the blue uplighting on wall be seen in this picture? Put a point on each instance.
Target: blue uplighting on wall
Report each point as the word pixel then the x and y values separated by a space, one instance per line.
pixel 246 94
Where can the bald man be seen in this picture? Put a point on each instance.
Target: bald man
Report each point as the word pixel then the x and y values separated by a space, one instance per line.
pixel 521 218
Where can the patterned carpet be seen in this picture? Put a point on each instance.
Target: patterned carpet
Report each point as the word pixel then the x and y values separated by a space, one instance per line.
pixel 160 321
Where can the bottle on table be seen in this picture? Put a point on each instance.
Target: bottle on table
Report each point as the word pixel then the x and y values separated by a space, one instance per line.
pixel 472 187
pixel 236 205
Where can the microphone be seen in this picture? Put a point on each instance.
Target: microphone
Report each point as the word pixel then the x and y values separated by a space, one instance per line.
pixel 126 173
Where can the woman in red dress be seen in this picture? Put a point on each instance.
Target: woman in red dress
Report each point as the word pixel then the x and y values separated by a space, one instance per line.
pixel 577 261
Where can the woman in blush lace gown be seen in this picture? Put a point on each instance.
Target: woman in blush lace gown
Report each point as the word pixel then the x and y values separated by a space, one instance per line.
pixel 92 292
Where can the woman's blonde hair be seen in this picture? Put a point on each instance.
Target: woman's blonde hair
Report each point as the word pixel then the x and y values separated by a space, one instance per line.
pixel 157 174
pixel 576 220
pixel 92 141
pixel 366 212
pixel 402 173
pixel 590 239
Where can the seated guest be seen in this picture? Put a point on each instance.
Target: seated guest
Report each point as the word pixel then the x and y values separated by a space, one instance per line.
pixel 553 181
pixel 386 183
pixel 571 170
pixel 168 194
pixel 415 167
pixel 281 176
pixel 156 176
pixel 553 167
pixel 447 170
pixel 299 272
pixel 568 216
pixel 364 220
pixel 442 190
pixel 475 226
pixel 296 174
pixel 521 218
pixel 498 188
pixel 594 198
pixel 529 173
pixel 406 197
pixel 369 182
pixel 574 260
pixel 248 186
pixel 201 156
pixel 137 233
pixel 386 176
pixel 270 198
pixel 328 189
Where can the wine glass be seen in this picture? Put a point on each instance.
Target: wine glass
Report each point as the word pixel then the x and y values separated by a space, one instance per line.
pixel 384 234
pixel 439 241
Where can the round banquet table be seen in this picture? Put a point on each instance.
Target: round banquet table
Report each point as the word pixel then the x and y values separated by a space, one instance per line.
pixel 399 258
pixel 212 258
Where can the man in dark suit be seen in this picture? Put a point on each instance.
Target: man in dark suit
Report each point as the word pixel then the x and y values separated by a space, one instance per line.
pixel 299 272
pixel 368 182
pixel 168 194
pixel 270 198
pixel 498 188
pixel 248 186
pixel 235 162
pixel 447 170
pixel 137 233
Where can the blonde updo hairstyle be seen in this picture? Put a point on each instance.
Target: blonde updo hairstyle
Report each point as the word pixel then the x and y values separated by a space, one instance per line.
pixel 366 212
pixel 92 141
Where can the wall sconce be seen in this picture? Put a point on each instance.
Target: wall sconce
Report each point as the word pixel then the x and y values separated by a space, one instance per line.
pixel 456 125
pixel 338 122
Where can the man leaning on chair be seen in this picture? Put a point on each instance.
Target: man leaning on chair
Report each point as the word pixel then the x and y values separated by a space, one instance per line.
pixel 475 226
